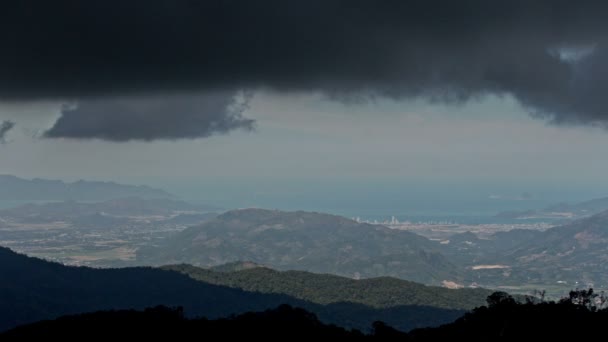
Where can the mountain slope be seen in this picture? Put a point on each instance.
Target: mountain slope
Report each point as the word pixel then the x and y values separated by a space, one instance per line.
pixel 467 249
pixel 326 289
pixel 15 188
pixel 569 256
pixel 315 242
pixel 577 251
pixel 33 289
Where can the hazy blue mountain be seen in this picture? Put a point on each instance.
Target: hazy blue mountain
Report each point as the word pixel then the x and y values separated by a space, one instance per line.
pixel 33 289
pixel 309 241
pixel 561 210
pixel 120 207
pixel 15 188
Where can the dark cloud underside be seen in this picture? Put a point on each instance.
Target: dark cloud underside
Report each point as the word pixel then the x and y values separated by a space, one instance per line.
pixel 5 127
pixel 441 50
pixel 170 118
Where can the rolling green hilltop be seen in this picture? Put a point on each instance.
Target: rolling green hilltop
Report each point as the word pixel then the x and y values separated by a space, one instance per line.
pixel 326 289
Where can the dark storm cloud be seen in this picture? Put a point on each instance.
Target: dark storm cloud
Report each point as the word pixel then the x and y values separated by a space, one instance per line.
pixel 440 50
pixel 167 117
pixel 5 127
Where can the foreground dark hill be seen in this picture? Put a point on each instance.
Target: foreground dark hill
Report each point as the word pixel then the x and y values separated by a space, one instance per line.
pixel 32 289
pixel 15 188
pixel 285 323
pixel 327 289
pixel 577 318
pixel 315 242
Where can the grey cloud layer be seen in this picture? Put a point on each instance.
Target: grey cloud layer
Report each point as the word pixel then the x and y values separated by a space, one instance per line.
pixel 441 50
pixel 5 127
pixel 169 117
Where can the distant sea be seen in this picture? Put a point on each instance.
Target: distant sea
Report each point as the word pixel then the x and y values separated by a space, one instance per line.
pixel 460 203
pixel 419 202
pixel 379 215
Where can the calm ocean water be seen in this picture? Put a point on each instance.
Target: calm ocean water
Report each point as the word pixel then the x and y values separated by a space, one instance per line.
pixel 466 203
pixel 455 203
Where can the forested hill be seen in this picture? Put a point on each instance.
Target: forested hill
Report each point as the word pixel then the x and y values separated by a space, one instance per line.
pixel 325 288
pixel 33 289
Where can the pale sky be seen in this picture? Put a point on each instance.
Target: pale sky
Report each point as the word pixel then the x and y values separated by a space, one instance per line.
pixel 302 138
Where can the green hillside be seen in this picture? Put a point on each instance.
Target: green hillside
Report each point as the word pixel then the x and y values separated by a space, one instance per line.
pixel 326 289
pixel 32 289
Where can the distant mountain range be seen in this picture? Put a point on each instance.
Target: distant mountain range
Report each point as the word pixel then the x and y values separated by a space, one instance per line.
pixel 33 289
pixel 13 188
pixel 315 242
pixel 561 211
pixel 120 207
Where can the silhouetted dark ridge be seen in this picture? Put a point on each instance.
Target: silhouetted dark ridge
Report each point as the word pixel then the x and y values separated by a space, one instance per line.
pixel 284 323
pixel 579 317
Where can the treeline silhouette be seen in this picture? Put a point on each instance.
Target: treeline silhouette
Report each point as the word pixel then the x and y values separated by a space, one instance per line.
pixel 284 322
pixel 580 316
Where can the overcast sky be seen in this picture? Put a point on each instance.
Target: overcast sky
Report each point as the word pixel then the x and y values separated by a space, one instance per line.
pixel 175 93
pixel 307 137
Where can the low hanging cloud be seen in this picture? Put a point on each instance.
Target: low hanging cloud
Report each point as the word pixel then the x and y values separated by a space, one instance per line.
pixel 5 127
pixel 151 118
pixel 548 54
